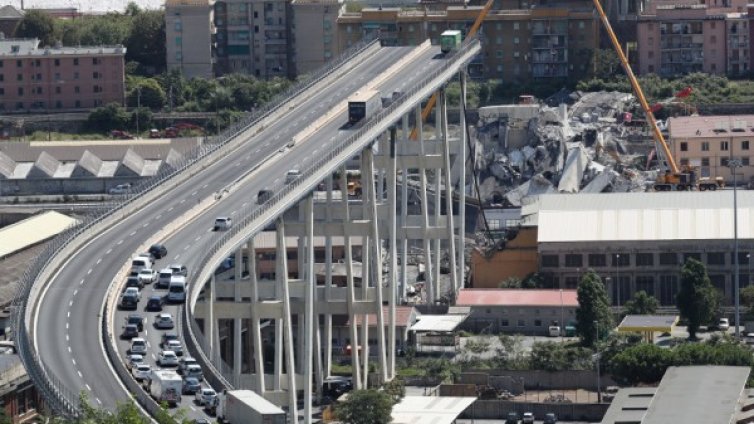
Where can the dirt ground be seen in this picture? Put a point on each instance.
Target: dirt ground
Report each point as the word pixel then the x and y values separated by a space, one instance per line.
pixel 574 395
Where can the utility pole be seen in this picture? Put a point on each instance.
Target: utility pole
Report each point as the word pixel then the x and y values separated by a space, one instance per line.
pixel 138 109
pixel 734 164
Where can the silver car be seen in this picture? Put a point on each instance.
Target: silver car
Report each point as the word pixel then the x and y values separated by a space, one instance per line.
pixel 164 321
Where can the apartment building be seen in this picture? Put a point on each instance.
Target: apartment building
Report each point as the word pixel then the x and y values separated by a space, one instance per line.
pixel 521 41
pixel 189 33
pixel 710 142
pixel 314 32
pixel 253 38
pixel 34 79
pixel 711 37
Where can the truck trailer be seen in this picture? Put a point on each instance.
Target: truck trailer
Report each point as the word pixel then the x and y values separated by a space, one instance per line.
pixel 363 104
pixel 450 40
pixel 166 386
pixel 247 407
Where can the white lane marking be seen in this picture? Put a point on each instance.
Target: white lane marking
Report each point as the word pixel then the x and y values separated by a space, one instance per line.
pixel 205 185
pixel 177 256
pixel 99 261
pixel 244 204
pixel 194 193
pixel 158 217
pixel 146 224
pixel 154 357
pixel 69 314
pixel 89 272
pixel 119 243
pixel 276 180
pixel 258 150
pixel 183 201
pixel 133 233
pixel 314 152
pixel 238 163
pixel 67 338
pixel 198 238
pixel 171 208
pixel 75 292
pixel 80 375
pixel 186 247
pixel 99 401
pixel 81 282
pixel 108 251
pixel 88 388
pixel 66 325
pixel 74 361
pixel 192 408
pixel 70 303
pixel 69 349
pixel 148 345
pixel 233 213
pixel 146 332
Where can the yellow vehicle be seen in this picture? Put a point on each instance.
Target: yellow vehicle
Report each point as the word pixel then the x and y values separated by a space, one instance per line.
pixel 674 178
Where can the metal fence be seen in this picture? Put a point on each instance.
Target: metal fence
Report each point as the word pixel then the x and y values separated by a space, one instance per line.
pixel 253 214
pixel 60 398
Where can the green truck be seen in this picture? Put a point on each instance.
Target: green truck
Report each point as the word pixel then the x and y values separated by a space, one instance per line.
pixel 450 40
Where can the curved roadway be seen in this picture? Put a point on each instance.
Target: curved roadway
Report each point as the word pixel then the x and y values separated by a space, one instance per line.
pixel 67 322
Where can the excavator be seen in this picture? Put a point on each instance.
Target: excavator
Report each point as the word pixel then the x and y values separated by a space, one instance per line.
pixel 674 177
pixel 472 32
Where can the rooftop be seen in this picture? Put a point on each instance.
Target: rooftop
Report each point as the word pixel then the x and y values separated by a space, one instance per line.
pixel 439 323
pixel 711 126
pixel 660 323
pixel 30 47
pixel 402 317
pixel 10 12
pixel 517 297
pixel 430 409
pixel 646 216
pixel 33 230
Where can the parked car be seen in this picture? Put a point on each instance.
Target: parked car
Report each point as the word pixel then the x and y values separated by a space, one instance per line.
pixel 175 346
pixel 511 418
pixel 120 189
pixel 141 372
pixel 158 251
pixel 222 223
pixel 137 320
pixel 191 385
pixel 528 418
pixel 205 396
pixel 134 360
pixel 550 418
pixel 129 332
pixel 178 269
pixel 155 303
pixel 147 276
pixel 138 346
pixel 164 321
pixel 167 358
pixel 723 324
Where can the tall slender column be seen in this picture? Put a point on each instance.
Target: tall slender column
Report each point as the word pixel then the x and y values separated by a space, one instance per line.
pixel 428 274
pixel 209 324
pixel 282 280
pixel 237 346
pixel 391 203
pixel 366 268
pixel 437 172
pixel 461 261
pixel 328 280
pixel 351 296
pixel 448 192
pixel 404 208
pixel 376 265
pixel 256 331
pixel 308 324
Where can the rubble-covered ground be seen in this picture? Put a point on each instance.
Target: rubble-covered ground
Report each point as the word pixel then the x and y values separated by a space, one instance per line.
pixel 592 145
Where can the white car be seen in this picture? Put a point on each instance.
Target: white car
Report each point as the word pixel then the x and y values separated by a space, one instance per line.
pixel 138 346
pixel 167 358
pixel 222 223
pixel 164 321
pixel 132 292
pixel 205 396
pixel 142 372
pixel 175 346
pixel 147 275
pixel 528 418
pixel 120 189
pixel 723 324
pixel 134 360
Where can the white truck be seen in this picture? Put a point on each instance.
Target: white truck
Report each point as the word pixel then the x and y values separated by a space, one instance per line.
pixel 363 104
pixel 247 407
pixel 166 386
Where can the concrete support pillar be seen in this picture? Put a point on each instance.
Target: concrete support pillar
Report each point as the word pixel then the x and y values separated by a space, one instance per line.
pixel 448 193
pixel 238 274
pixel 391 202
pixel 351 296
pixel 404 211
pixel 428 274
pixel 437 172
pixel 376 264
pixel 461 261
pixel 308 321
pixel 328 285
pixel 256 331
pixel 282 281
pixel 237 347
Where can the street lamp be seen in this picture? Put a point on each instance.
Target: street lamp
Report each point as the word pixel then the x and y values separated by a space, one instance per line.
pixel 733 164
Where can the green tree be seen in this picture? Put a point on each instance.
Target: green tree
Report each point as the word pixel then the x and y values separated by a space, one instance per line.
pixel 697 300
pixel 396 388
pixel 146 41
pixel 365 407
pixel 747 300
pixel 643 363
pixel 439 368
pixel 606 64
pixel 37 24
pixel 593 313
pixel 510 283
pixel 641 304
pixel 152 95
pixel 110 117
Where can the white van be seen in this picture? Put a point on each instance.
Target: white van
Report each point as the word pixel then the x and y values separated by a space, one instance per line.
pixel 163 280
pixel 177 289
pixel 140 262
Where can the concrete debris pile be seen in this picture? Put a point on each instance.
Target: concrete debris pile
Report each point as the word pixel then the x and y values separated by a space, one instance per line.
pixel 531 149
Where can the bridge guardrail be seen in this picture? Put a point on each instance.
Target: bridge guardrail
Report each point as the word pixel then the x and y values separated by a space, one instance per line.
pixel 62 399
pixel 253 212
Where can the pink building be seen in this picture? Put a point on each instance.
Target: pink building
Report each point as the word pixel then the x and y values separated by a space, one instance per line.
pixel 682 38
pixel 59 78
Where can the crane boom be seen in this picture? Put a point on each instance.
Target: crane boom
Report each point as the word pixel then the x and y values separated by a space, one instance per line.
pixel 472 32
pixel 637 90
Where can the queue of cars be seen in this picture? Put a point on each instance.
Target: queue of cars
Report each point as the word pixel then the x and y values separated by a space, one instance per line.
pixel 169 359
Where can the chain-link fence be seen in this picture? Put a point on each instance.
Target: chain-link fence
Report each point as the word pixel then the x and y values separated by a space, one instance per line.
pixel 59 397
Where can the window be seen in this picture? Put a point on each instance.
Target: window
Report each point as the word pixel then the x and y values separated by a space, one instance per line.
pixel 581 24
pixel 651 54
pixel 19 64
pixel 645 259
pixel 504 323
pixel 96 61
pixel 597 259
pixel 713 39
pixel 515 40
pixel 499 40
pixel 1 63
pixel 537 322
pixel 37 63
pixel 715 258
pixel 76 61
pixel 57 62
pixel 684 146
pixel 724 146
pixel 20 77
pixel 705 161
pixel 550 261
pixel 684 162
pixel 670 258
pixel 521 323
pixel 694 255
pixel 705 146
pixel 78 103
pixel 95 75
pixel 621 259
pixel 57 90
pixel 76 89
pixel 2 91
pixel 574 260
pixel 516 25
pixel 724 161
pixel 745 145
pixel 499 54
pixel 646 283
pixel 745 161
pixel 20 91
pixel 59 104
pixel 571 282
pixel 743 258
pixel 668 289
pixel 76 75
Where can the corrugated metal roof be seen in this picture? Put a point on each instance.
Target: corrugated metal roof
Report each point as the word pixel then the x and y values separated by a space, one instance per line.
pixel 646 216
pixel 443 323
pixel 430 409
pixel 516 297
pixel 711 126
pixel 33 230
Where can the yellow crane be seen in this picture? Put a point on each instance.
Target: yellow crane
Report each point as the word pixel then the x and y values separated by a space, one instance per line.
pixel 673 177
pixel 472 32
